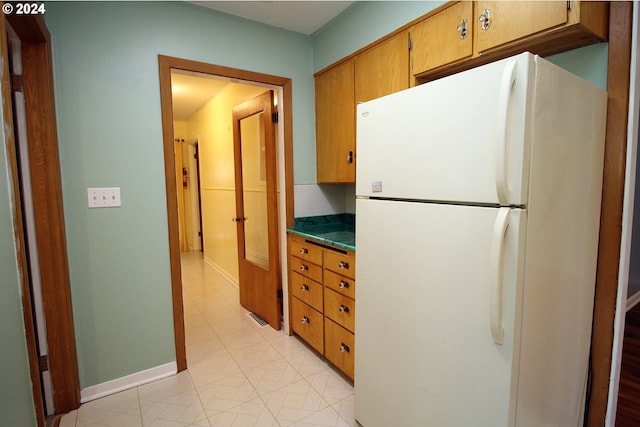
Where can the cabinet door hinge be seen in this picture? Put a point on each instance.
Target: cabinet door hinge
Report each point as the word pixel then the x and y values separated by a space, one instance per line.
pixel 43 363
pixel 17 84
pixel 279 293
pixel 274 117
pixel 410 44
pixel 569 5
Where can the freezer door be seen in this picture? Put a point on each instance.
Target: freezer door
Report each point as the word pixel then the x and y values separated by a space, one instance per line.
pixel 463 138
pixel 436 312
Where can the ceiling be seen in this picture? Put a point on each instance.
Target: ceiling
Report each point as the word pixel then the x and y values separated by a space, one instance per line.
pixel 304 17
pixel 192 90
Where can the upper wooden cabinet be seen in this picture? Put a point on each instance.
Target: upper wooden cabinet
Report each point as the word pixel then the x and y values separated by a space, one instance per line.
pixel 442 38
pixel 499 23
pixel 383 69
pixel 335 125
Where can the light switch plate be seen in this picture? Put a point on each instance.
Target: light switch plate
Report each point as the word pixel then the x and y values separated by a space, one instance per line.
pixel 106 197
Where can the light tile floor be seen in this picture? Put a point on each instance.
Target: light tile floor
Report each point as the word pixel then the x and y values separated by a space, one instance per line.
pixel 239 374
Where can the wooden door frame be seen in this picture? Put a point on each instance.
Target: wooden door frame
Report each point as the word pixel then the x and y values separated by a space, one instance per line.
pixel 49 216
pixel 618 80
pixel 165 65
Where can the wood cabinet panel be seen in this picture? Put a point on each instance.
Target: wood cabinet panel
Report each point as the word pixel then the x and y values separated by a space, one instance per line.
pixel 339 283
pixel 382 69
pixel 308 323
pixel 344 264
pixel 306 268
pixel 442 38
pixel 340 309
pixel 307 290
pixel 336 124
pixel 509 21
pixel 306 251
pixel 340 347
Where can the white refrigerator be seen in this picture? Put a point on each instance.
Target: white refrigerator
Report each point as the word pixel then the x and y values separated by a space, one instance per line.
pixel 477 219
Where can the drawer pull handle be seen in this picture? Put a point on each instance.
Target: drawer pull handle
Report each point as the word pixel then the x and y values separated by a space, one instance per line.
pixel 343 309
pixel 344 265
pixel 343 285
pixel 305 319
pixel 304 288
pixel 485 19
pixel 344 348
pixel 304 267
pixel 304 251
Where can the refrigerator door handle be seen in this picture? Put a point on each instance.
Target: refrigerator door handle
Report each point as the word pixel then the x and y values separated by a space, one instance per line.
pixel 502 184
pixel 496 276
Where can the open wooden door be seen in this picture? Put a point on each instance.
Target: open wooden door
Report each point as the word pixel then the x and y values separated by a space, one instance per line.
pixel 256 208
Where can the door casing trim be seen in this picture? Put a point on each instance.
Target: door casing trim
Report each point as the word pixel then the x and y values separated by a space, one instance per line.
pixel 166 64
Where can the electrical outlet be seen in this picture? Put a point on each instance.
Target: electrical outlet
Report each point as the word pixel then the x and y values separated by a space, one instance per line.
pixel 104 197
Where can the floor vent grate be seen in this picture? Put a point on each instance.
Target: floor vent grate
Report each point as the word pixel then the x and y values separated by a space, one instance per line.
pixel 261 323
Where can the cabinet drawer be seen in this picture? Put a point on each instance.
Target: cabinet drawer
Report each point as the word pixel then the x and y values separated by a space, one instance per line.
pixel 306 290
pixel 307 323
pixel 306 251
pixel 339 348
pixel 306 268
pixel 340 263
pixel 340 309
pixel 340 284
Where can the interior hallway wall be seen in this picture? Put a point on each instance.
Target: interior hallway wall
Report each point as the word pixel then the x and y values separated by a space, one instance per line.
pixel 213 125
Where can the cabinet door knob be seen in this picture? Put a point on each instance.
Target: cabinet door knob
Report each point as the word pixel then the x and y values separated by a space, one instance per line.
pixel 343 265
pixel 304 251
pixel 462 29
pixel 343 285
pixel 304 287
pixel 344 348
pixel 343 308
pixel 305 319
pixel 485 18
pixel 304 267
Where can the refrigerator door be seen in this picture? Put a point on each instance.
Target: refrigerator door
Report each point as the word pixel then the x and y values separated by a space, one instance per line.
pixel 438 287
pixel 463 138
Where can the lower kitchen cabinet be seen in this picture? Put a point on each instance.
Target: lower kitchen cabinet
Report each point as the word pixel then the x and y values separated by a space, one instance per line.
pixel 310 324
pixel 322 299
pixel 339 344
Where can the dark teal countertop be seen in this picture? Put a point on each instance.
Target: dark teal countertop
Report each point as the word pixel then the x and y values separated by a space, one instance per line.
pixel 338 230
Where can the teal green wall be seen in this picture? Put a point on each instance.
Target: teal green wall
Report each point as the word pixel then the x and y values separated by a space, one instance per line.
pixel 16 398
pixel 109 126
pixel 589 62
pixel 110 135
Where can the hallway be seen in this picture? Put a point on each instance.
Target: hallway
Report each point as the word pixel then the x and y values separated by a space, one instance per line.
pixel 240 374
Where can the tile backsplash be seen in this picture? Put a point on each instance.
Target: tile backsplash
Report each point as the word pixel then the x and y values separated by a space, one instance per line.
pixel 313 199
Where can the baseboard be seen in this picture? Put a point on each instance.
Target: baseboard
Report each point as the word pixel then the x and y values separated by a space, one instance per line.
pixel 124 383
pixel 221 271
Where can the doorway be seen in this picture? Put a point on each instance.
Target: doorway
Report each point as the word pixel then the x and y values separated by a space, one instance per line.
pixel 48 237
pixel 285 155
